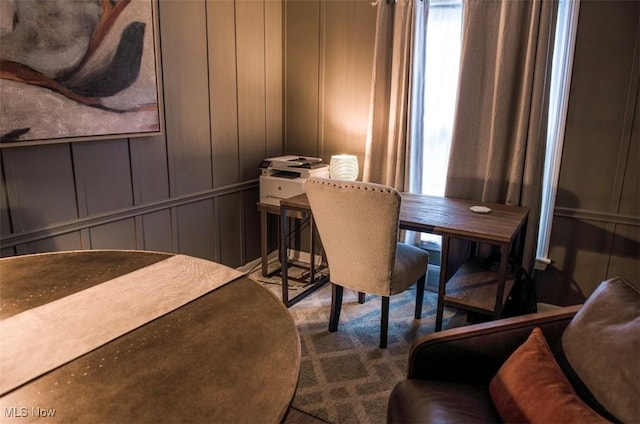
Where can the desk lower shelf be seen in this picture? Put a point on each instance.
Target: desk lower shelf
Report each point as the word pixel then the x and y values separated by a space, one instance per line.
pixel 473 287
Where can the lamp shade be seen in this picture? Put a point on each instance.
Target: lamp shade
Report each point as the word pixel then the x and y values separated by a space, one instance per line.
pixel 343 167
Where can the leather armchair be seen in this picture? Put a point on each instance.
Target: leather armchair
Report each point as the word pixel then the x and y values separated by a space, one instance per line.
pixel 449 372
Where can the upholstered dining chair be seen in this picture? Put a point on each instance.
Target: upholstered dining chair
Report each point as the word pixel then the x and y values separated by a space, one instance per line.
pixel 358 226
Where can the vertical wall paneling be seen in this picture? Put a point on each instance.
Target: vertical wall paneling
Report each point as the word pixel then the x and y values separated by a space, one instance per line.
pixel 114 235
pixel 81 201
pixel 69 241
pixel 229 211
pixel 11 219
pixel 327 107
pixel 629 204
pixel 302 56
pixel 5 221
pixel 273 21
pixel 150 179
pixel 183 30
pixel 349 39
pixel 106 184
pixel 250 43
pixel 576 252
pixel 322 79
pixel 623 256
pixel 138 230
pixel 335 90
pixel 596 229
pixel 149 169
pixel 156 230
pixel 221 35
pixel 191 190
pixel 183 38
pixel 175 236
pixel 40 186
pixel 597 106
pixel 624 253
pixel 625 247
pixel 362 31
pixel 196 226
pixel 251 219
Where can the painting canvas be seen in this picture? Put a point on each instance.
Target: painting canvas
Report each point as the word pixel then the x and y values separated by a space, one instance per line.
pixel 77 69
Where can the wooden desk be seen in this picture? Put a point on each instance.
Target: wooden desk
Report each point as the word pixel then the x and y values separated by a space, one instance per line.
pixel 472 287
pixel 203 362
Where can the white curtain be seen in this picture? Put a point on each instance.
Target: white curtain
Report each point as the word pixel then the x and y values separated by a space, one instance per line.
pixel 439 58
pixel 417 108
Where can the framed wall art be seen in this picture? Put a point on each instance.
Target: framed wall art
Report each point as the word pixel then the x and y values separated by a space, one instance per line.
pixel 78 70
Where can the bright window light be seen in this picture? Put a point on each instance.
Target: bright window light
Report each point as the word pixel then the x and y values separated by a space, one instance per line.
pixel 441 62
pixel 558 99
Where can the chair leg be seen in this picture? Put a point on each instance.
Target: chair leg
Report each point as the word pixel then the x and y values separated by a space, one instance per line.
pixel 384 322
pixel 336 305
pixel 361 297
pixel 420 296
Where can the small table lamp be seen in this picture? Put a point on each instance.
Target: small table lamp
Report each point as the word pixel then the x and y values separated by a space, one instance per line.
pixel 343 167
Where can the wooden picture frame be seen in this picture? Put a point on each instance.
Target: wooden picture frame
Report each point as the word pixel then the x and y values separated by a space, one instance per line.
pixel 81 70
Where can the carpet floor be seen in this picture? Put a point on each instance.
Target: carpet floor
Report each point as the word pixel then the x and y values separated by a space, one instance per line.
pixel 345 377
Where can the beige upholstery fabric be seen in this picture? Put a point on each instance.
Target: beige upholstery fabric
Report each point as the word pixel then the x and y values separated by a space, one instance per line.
pixel 358 226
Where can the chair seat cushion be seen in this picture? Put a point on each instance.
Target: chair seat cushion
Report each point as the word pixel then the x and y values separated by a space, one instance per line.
pixel 426 401
pixel 411 264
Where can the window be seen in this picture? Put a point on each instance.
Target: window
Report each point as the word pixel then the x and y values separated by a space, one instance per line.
pixel 441 62
pixel 440 65
pixel 558 98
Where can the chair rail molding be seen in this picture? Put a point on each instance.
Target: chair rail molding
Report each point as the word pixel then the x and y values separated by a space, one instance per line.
pixel 61 228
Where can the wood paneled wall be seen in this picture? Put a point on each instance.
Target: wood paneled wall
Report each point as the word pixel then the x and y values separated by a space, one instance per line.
pixel 329 58
pixel 329 54
pixel 239 77
pixel 192 190
pixel 596 227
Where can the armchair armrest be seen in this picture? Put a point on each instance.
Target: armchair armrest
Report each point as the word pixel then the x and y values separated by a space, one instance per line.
pixel 475 353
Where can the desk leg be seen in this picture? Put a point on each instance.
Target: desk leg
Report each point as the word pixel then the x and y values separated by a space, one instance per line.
pixel 264 242
pixel 442 281
pixel 505 249
pixel 520 242
pixel 284 262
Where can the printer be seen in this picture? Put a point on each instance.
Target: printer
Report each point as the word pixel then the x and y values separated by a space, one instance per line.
pixel 284 176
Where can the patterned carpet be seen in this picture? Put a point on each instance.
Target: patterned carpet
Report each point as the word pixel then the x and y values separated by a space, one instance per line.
pixel 345 377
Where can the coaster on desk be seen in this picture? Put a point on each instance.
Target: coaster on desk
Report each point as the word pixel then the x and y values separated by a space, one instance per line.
pixel 480 209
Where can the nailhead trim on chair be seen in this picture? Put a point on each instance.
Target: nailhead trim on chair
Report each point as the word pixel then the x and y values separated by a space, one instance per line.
pixel 382 189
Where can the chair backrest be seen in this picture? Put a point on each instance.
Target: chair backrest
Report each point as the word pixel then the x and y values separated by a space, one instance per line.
pixel 358 226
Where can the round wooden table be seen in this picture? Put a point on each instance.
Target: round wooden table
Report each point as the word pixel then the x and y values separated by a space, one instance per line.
pixel 231 355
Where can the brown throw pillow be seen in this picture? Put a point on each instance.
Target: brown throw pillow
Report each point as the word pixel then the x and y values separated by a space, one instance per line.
pixel 531 387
